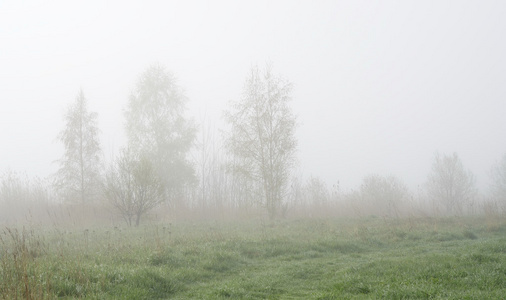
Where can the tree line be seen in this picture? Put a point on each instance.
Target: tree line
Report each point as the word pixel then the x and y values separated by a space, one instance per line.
pixel 155 166
pixel 168 160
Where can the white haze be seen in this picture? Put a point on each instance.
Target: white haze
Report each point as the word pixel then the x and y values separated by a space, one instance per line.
pixel 379 86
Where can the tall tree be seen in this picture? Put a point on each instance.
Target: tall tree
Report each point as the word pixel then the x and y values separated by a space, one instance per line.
pixel 450 184
pixel 262 135
pixel 206 160
pixel 77 178
pixel 158 130
pixel 499 183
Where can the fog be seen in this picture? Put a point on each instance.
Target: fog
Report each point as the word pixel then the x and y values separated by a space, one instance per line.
pixel 378 87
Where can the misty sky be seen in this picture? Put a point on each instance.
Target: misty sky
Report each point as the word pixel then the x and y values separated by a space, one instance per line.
pixel 379 86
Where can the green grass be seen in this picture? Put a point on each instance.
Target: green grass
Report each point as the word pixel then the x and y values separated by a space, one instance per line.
pixel 293 259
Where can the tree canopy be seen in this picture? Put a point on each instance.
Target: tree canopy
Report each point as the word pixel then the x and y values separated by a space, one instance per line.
pixel 157 128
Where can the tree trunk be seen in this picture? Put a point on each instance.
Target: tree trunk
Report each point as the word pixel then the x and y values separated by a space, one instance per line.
pixel 137 219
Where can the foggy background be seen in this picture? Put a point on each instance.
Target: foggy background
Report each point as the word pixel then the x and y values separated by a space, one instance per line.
pixel 379 87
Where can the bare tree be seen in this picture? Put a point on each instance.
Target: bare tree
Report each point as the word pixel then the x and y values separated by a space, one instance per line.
pixel 296 194
pixel 132 187
pixel 499 183
pixel 79 173
pixel 316 192
pixel 384 194
pixel 206 145
pixel 450 184
pixel 262 135
pixel 158 130
pixel 214 180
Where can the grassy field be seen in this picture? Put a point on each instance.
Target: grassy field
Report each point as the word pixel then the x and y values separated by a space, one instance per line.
pixel 368 258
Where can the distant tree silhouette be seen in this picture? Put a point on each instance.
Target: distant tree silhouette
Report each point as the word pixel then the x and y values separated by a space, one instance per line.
pixel 499 183
pixel 132 187
pixel 78 177
pixel 385 194
pixel 157 129
pixel 262 135
pixel 449 184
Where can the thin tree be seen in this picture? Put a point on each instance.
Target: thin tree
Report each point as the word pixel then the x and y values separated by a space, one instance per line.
pixel 450 184
pixel 499 183
pixel 205 159
pixel 77 178
pixel 158 130
pixel 262 135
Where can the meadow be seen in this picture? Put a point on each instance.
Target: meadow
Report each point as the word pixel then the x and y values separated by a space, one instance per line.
pixel 331 258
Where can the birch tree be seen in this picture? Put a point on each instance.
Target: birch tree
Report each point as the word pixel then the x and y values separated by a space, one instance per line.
pixel 158 130
pixel 262 135
pixel 77 178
